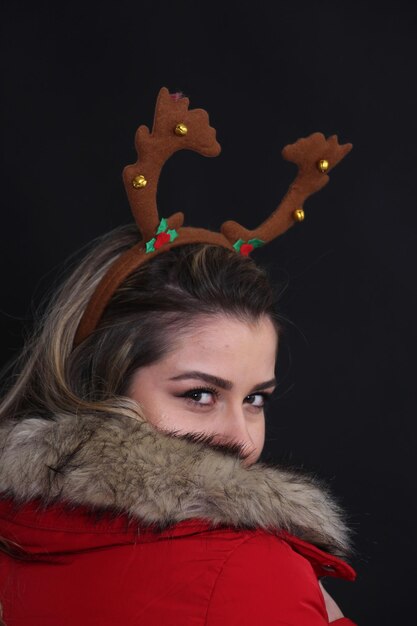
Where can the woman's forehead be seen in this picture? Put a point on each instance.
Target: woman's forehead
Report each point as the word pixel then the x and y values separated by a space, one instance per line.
pixel 225 345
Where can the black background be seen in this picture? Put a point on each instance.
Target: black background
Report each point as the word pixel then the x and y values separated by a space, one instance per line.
pixel 79 79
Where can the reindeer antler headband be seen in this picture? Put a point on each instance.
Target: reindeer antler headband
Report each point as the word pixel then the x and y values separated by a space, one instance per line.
pixel 175 128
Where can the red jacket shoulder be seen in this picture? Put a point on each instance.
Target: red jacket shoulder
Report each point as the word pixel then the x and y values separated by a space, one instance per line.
pixel 264 581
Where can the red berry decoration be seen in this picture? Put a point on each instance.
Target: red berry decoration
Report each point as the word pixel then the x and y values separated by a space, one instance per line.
pixel 161 238
pixel 246 248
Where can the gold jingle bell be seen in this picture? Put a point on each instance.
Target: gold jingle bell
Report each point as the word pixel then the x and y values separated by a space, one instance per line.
pixel 181 129
pixel 298 215
pixel 139 181
pixel 323 165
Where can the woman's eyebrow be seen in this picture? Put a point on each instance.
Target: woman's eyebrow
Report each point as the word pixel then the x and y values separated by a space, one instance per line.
pixel 221 382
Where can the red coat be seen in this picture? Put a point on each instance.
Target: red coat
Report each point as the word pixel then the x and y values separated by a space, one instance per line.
pixel 185 535
pixel 89 573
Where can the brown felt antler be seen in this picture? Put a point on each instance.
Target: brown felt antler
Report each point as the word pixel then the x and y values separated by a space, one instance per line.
pixel 175 128
pixel 315 156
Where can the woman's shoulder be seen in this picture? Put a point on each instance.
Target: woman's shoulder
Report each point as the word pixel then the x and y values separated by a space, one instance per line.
pixel 267 555
pixel 264 580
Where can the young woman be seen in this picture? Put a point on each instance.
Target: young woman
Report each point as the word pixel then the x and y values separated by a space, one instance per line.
pixel 131 490
pixel 131 487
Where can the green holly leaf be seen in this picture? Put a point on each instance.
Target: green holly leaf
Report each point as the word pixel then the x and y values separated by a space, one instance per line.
pixel 162 226
pixel 172 233
pixel 150 245
pixel 257 243
pixel 238 244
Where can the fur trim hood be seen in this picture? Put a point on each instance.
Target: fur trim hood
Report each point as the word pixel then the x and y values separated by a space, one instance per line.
pixel 126 466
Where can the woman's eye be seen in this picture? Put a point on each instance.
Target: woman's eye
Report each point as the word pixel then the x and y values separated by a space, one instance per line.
pixel 200 396
pixel 260 399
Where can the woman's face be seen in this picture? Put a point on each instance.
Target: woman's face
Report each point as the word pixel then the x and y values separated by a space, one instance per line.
pixel 214 383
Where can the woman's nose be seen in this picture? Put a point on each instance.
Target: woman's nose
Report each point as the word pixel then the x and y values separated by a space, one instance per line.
pixel 236 428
